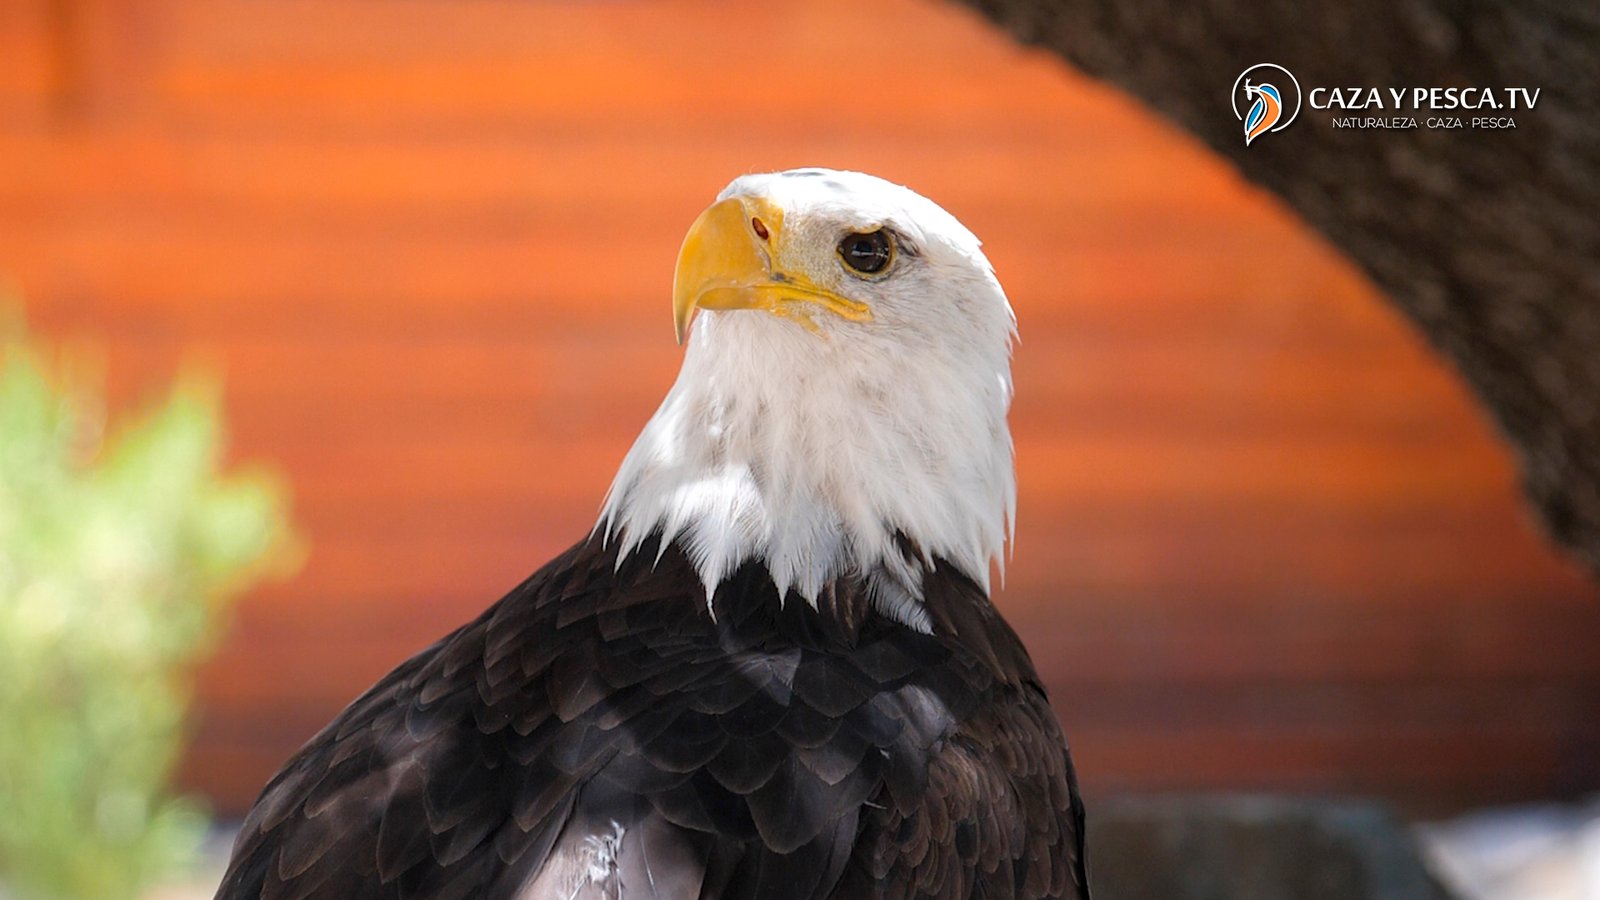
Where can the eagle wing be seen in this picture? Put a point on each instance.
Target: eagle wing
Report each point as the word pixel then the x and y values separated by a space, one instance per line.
pixel 1001 818
pixel 597 734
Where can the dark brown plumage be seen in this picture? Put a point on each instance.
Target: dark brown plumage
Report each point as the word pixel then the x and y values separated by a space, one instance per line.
pixel 597 733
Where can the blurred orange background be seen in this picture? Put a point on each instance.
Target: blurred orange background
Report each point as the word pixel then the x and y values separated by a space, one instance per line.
pixel 1266 541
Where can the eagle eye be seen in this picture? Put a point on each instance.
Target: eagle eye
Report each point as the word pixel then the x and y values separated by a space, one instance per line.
pixel 867 252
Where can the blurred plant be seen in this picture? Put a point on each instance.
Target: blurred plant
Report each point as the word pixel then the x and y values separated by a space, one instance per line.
pixel 119 555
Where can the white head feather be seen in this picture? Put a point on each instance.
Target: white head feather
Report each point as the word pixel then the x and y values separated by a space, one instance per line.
pixel 811 448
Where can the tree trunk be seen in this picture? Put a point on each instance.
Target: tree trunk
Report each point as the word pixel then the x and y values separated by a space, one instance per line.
pixel 1488 239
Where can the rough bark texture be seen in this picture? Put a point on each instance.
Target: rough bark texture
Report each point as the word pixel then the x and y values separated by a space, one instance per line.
pixel 1489 240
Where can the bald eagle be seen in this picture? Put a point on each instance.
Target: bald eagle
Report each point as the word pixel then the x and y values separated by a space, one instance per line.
pixel 773 669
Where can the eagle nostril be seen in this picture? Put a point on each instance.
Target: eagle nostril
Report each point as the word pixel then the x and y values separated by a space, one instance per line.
pixel 760 228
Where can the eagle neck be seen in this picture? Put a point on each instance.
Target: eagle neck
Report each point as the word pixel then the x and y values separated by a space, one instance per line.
pixel 822 462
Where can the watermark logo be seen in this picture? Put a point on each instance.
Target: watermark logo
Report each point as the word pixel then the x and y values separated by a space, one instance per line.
pixel 1266 98
pixel 1271 96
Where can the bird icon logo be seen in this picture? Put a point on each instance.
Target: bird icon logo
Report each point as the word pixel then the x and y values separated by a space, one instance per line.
pixel 1271 107
pixel 1264 112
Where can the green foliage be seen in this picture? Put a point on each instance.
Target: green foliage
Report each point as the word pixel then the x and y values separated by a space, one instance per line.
pixel 119 555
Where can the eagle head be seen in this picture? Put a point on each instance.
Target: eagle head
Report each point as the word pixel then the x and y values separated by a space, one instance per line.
pixel 841 407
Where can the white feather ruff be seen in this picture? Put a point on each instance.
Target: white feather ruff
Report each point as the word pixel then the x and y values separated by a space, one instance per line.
pixel 811 452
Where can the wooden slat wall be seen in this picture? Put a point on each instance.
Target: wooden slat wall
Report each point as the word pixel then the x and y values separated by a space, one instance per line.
pixel 1265 540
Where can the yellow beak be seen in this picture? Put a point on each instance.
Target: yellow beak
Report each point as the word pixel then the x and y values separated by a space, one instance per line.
pixel 727 263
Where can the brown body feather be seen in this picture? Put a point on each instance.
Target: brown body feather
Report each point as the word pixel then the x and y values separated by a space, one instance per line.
pixel 597 733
